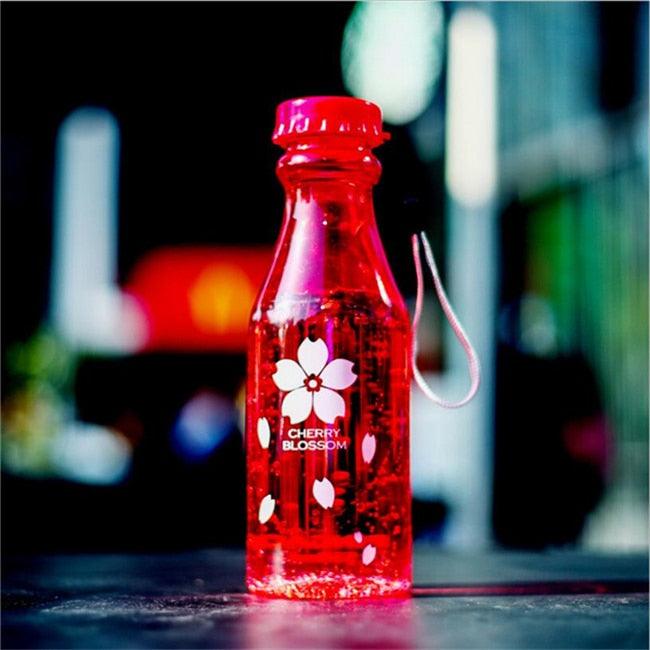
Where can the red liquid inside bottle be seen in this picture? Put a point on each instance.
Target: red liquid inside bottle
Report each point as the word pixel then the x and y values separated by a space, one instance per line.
pixel 327 422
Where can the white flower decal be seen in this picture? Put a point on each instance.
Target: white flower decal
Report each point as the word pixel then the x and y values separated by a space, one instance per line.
pixel 368 555
pixel 368 447
pixel 263 433
pixel 323 492
pixel 267 506
pixel 311 383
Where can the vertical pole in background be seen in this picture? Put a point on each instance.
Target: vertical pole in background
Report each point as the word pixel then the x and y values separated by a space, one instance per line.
pixel 87 308
pixel 472 260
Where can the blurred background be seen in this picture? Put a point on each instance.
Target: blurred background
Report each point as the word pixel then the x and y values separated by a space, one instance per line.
pixel 139 211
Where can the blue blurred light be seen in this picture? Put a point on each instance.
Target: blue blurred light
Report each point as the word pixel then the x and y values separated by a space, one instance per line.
pixel 202 425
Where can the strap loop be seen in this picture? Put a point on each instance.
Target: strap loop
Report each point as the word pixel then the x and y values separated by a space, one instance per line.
pixel 472 357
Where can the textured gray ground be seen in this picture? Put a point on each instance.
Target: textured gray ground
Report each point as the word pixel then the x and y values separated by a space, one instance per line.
pixel 196 600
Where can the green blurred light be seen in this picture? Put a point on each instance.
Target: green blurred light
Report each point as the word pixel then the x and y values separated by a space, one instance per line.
pixel 392 55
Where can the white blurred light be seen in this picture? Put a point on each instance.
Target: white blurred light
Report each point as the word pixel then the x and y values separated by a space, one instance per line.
pixel 391 55
pixel 471 108
pixel 87 307
pixel 88 453
pixel 537 325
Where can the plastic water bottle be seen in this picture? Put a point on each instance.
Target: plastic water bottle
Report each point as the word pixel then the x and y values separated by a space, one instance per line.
pixel 327 422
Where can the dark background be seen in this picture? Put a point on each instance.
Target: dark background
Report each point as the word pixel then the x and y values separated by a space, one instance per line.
pixel 194 87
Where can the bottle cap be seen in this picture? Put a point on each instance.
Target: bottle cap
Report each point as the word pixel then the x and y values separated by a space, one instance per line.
pixel 343 116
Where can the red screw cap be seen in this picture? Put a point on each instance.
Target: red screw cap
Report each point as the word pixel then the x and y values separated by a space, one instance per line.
pixel 343 116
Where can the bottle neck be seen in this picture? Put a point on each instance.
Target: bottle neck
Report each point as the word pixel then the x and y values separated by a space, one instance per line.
pixel 328 181
pixel 332 204
pixel 330 243
pixel 328 158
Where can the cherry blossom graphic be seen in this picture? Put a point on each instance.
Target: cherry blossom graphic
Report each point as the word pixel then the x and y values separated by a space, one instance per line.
pixel 368 555
pixel 358 537
pixel 323 492
pixel 368 447
pixel 311 383
pixel 267 506
pixel 263 432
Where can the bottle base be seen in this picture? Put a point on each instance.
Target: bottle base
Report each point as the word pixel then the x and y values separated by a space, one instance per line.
pixel 328 586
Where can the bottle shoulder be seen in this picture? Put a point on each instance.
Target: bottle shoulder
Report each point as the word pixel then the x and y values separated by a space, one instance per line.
pixel 335 304
pixel 329 257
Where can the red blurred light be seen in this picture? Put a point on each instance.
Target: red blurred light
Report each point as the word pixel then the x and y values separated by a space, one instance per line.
pixel 198 298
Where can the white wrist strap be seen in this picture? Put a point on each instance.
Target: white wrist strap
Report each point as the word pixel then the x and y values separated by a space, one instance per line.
pixel 472 357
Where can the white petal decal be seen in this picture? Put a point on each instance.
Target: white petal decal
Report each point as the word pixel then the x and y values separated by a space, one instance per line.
pixel 368 447
pixel 368 555
pixel 267 506
pixel 312 356
pixel 297 405
pixel 263 432
pixel 338 374
pixel 328 405
pixel 358 537
pixel 289 375
pixel 323 492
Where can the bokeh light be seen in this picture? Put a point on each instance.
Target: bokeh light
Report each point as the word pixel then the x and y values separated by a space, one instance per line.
pixel 392 55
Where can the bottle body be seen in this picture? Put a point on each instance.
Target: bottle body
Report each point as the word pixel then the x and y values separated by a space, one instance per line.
pixel 327 422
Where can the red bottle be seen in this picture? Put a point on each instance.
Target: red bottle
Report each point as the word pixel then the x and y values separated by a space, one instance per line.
pixel 327 422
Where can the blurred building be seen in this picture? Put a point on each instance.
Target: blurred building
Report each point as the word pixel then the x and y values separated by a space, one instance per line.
pixel 574 151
